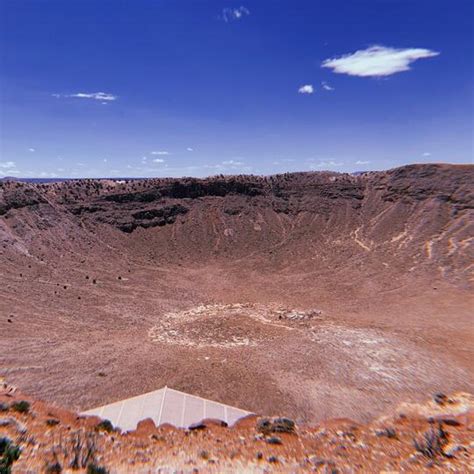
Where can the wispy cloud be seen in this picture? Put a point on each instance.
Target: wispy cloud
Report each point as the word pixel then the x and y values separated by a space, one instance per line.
pixel 362 162
pixel 32 150
pixel 306 89
pixel 158 160
pixel 163 152
pixel 377 61
pixel 7 165
pixel 322 165
pixel 426 153
pixel 325 86
pixel 47 174
pixel 234 14
pixel 232 163
pixel 283 160
pixel 101 96
pixel 189 149
pixel 12 172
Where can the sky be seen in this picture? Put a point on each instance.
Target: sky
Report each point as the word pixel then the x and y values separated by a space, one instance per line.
pixel 142 88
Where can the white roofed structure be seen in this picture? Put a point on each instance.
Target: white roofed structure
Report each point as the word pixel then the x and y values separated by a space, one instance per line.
pixel 166 406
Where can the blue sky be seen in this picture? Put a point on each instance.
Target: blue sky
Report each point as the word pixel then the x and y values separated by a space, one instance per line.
pixel 195 88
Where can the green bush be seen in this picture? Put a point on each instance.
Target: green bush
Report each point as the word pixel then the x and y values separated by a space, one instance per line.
pixel 9 453
pixel 21 407
pixel 105 425
pixel 94 469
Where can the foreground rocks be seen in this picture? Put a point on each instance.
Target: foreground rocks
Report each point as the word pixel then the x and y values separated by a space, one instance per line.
pixel 432 437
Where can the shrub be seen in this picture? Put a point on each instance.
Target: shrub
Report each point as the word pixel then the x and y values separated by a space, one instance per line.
pixel 52 422
pixel 388 432
pixel 83 449
pixel 21 407
pixel 95 469
pixel 278 425
pixel 9 453
pixel 274 440
pixel 433 442
pixel 105 425
pixel 53 468
pixel 283 425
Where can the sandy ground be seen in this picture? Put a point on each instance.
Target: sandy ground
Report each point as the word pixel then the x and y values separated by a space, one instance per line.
pixel 267 351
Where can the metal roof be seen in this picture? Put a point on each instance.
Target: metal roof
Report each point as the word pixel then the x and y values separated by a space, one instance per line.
pixel 165 406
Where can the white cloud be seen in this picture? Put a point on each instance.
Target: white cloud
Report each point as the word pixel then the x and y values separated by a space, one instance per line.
pixel 7 165
pixel 426 153
pixel 105 160
pixel 160 153
pixel 12 172
pixel 102 96
pixel 234 14
pixel 362 162
pixel 377 61
pixel 325 165
pixel 232 163
pixel 32 150
pixel 46 174
pixel 229 165
pixel 189 149
pixel 326 86
pixel 306 89
pixel 158 160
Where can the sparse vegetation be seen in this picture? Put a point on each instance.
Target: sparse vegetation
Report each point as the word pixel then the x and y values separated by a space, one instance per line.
pixel 283 425
pixel 388 432
pixel 52 422
pixel 274 440
pixel 93 468
pixel 21 407
pixel 105 425
pixel 440 398
pixel 53 468
pixel 9 453
pixel 433 442
pixel 277 425
pixel 75 452
pixel 203 454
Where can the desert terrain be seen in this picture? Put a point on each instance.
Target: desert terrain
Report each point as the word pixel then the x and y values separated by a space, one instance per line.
pixel 433 436
pixel 305 295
